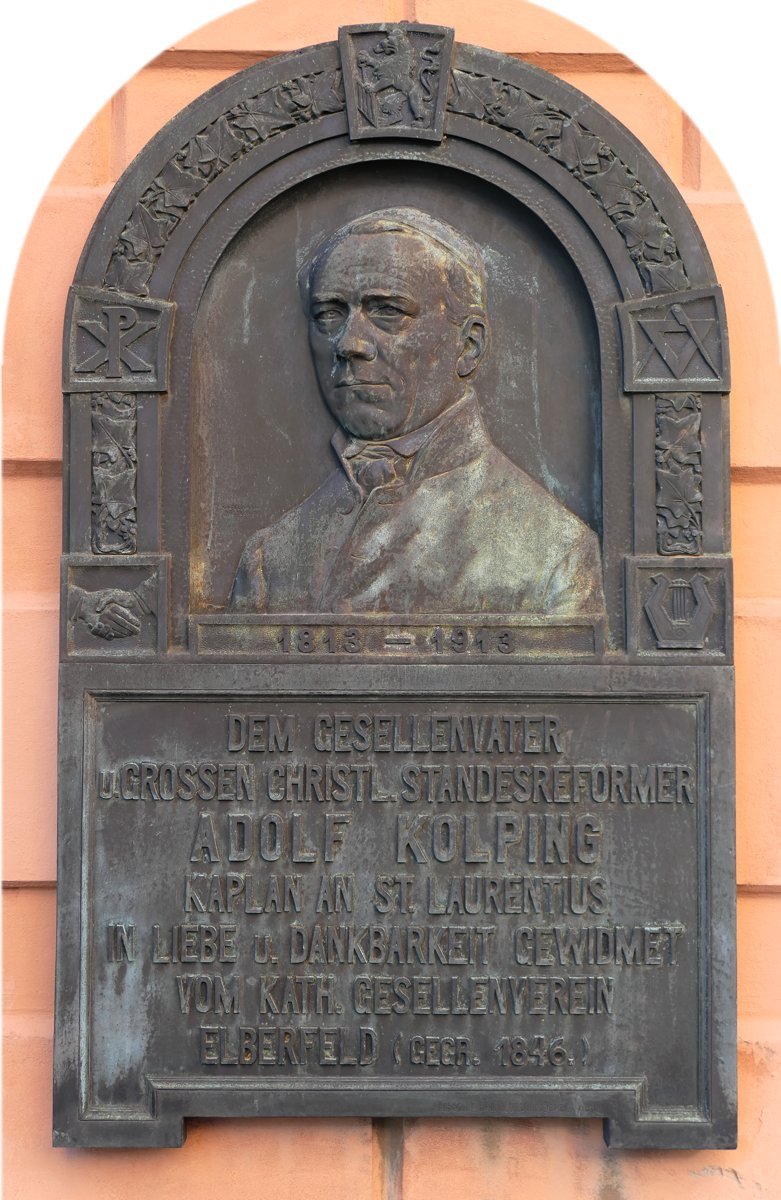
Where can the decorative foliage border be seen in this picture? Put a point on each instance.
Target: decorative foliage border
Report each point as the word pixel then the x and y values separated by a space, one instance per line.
pixel 114 467
pixel 679 473
pixel 203 158
pixel 618 191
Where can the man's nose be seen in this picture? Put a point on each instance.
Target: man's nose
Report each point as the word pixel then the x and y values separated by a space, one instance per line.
pixel 354 340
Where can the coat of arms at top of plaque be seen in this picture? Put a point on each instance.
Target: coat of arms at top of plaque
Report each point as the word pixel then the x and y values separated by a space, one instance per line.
pixel 399 79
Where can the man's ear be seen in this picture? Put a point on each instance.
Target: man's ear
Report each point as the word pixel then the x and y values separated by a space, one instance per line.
pixel 475 346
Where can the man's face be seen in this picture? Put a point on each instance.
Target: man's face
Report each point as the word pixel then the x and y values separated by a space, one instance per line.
pixel 383 346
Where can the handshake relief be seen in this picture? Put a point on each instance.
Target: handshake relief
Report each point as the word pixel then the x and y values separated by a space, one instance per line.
pixel 113 612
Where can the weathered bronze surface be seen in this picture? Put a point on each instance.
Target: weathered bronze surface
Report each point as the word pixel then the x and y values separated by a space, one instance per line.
pixel 397 329
pixel 396 687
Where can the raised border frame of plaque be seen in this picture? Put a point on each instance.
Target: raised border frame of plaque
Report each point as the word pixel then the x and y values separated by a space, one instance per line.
pixel 665 538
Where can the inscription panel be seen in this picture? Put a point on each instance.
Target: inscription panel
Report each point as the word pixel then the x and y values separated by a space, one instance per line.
pixel 369 891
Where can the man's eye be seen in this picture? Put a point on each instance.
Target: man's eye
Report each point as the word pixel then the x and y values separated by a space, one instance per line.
pixel 327 318
pixel 386 309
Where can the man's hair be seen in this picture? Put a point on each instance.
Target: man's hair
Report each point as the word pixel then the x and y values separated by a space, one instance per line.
pixel 459 257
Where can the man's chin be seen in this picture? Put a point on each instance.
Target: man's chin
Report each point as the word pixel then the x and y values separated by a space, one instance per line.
pixel 367 420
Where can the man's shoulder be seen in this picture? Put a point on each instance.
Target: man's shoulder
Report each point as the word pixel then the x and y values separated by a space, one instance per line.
pixel 281 564
pixel 557 553
pixel 333 494
pixel 523 501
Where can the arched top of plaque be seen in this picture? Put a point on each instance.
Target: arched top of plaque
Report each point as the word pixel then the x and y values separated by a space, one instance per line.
pixel 405 97
pixel 429 91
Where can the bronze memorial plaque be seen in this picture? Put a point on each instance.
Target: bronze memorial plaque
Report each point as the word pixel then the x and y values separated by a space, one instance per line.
pixel 396 749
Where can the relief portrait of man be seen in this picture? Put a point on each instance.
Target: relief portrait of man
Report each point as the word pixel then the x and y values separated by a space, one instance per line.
pixel 422 513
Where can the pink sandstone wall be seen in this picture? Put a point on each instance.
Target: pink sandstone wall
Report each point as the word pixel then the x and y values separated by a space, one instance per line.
pixel 352 1159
